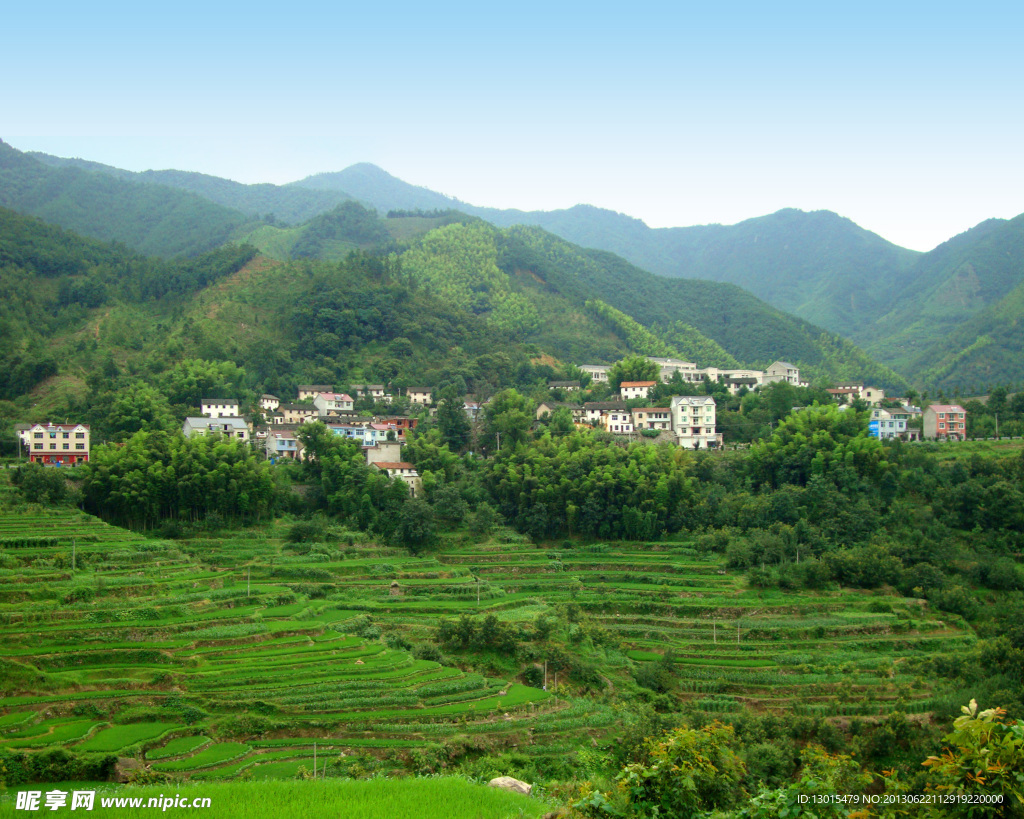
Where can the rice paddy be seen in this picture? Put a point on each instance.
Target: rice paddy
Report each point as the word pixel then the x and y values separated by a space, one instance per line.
pixel 246 657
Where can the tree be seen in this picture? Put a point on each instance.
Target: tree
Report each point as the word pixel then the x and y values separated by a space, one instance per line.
pixel 415 528
pixel 123 411
pixel 452 420
pixel 561 422
pixel 510 416
pixel 632 368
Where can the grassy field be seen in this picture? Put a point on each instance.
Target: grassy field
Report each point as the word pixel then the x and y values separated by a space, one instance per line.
pixel 432 798
pixel 243 656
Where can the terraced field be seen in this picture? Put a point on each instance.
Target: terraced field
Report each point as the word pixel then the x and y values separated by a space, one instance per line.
pixel 220 657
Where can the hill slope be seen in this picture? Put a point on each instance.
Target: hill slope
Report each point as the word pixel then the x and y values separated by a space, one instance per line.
pixel 150 218
pixel 288 204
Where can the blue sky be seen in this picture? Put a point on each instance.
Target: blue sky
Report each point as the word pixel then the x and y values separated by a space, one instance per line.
pixel 908 120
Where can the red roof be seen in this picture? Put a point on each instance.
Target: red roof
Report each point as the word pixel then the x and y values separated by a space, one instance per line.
pixel 393 465
pixel 637 384
pixel 946 408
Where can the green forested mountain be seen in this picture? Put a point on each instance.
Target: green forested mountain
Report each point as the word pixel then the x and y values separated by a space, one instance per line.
pixel 945 317
pixel 957 322
pixel 380 189
pixel 150 218
pixel 277 203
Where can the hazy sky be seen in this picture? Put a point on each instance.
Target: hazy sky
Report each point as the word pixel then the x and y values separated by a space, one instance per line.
pixel 905 117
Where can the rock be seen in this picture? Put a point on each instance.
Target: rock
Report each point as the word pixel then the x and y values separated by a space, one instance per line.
pixel 508 783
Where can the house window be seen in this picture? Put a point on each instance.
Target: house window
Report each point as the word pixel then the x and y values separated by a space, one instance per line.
pixel 53 446
pixel 66 435
pixel 79 446
pixel 38 435
pixel 79 434
pixel 67 446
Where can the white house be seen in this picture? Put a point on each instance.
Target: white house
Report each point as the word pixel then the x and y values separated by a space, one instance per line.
pixel 783 371
pixel 635 389
pixel 269 403
pixel 419 395
pixel 332 402
pixel 693 420
pixel 307 392
pixel 652 418
pixel 228 427
pixel 219 407
pixel 598 372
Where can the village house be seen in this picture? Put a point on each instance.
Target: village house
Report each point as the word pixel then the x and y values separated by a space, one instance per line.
pixel 667 367
pixel 472 409
pixel 945 422
pixel 693 421
pixel 327 403
pixel 376 392
pixel 376 433
pixel 598 372
pixel 567 386
pixel 386 456
pixel 592 410
pixel 219 407
pixel 295 414
pixel 269 403
pixel 24 433
pixel 652 418
pixel 228 427
pixel 282 444
pixel 58 444
pixel 889 424
pixel 419 395
pixel 402 422
pixel 548 408
pixel 846 393
pixel 307 392
pixel 784 371
pixel 618 421
pixel 872 395
pixel 629 390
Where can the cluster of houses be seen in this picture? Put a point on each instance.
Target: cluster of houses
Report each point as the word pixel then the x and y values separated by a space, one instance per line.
pixel 688 420
pixel 734 380
pixel 381 436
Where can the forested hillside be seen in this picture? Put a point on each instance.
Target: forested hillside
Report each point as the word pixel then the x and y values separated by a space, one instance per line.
pixel 958 322
pixel 56 283
pixel 152 219
pixel 276 203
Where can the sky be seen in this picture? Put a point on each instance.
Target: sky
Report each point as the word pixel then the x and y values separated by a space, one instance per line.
pixel 905 117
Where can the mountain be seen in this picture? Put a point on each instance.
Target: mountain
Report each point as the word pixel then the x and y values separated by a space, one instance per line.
pixel 276 203
pixel 152 219
pixel 957 323
pixel 914 312
pixel 379 189
pixel 818 265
